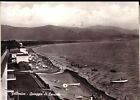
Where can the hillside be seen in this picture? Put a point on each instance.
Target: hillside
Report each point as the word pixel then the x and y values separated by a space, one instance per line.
pixel 51 33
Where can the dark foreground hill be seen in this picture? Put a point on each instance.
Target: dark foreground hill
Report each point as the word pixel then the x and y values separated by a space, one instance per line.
pixel 51 33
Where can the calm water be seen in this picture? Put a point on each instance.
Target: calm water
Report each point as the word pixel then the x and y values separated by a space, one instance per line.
pixel 104 52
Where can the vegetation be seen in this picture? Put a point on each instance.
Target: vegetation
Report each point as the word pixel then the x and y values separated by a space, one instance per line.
pixel 10 44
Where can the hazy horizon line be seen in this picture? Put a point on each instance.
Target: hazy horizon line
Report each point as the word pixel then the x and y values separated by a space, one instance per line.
pixel 71 26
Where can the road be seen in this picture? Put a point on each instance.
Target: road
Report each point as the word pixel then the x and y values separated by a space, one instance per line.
pixel 84 91
pixel 27 83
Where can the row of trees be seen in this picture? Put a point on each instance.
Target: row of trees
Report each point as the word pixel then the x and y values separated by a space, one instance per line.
pixel 10 44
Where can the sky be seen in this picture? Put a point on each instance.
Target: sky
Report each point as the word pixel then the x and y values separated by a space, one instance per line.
pixel 77 14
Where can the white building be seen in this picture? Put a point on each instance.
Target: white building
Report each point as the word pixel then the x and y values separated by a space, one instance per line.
pixel 19 54
pixel 22 57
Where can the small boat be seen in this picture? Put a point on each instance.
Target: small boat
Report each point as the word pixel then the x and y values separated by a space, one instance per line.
pixel 120 81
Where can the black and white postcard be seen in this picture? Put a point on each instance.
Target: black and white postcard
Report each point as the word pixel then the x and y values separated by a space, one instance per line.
pixel 69 50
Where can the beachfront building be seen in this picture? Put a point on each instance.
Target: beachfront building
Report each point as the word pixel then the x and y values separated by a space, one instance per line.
pixel 19 54
pixel 22 57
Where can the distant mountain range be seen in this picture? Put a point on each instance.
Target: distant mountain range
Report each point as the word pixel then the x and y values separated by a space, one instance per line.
pixel 54 33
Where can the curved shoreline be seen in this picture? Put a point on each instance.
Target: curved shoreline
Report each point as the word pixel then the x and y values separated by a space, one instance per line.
pixel 83 80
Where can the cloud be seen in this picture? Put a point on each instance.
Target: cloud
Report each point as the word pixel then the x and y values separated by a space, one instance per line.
pixel 31 14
